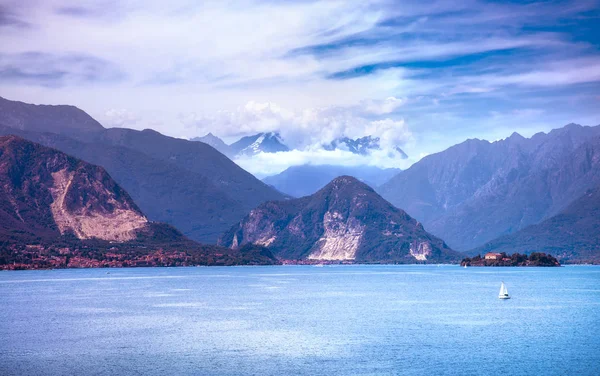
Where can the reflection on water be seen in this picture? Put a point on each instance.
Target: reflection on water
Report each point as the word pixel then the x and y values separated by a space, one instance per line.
pixel 300 320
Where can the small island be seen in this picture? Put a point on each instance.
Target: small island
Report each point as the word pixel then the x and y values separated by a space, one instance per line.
pixel 516 259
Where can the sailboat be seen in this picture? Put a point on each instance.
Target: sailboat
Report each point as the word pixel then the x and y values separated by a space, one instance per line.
pixel 503 292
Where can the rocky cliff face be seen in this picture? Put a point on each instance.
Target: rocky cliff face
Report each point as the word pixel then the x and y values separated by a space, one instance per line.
pixel 42 187
pixel 346 220
pixel 476 191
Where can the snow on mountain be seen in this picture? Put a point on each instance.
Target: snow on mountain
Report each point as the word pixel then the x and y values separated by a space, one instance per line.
pixel 362 146
pixel 269 142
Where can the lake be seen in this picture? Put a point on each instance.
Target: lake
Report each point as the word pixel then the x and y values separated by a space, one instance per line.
pixel 301 320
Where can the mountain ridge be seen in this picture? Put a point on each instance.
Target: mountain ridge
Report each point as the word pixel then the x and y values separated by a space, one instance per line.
pixel 476 191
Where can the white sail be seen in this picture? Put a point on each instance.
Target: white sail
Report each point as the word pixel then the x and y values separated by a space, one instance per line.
pixel 503 292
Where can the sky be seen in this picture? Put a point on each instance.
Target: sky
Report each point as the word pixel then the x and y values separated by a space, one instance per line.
pixel 421 75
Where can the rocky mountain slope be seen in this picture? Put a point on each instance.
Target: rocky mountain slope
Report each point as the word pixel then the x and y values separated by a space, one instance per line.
pixel 299 181
pixel 52 206
pixel 187 184
pixel 477 191
pixel 47 193
pixel 571 235
pixel 346 220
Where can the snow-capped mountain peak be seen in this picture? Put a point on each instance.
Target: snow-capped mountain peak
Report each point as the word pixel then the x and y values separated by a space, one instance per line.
pixel 270 142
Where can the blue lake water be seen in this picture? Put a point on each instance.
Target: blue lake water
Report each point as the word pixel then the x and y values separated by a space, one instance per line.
pixel 301 320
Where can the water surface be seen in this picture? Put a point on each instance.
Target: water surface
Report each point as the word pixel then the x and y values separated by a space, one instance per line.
pixel 336 320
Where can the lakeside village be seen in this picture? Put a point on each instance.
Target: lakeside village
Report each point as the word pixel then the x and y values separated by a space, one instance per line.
pixel 40 257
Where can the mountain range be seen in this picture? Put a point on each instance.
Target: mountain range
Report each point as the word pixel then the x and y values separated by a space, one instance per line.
pixel 477 191
pixel 304 180
pixel 345 221
pixel 477 195
pixel 53 205
pixel 189 185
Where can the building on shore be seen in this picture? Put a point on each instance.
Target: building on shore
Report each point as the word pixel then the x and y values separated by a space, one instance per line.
pixel 493 256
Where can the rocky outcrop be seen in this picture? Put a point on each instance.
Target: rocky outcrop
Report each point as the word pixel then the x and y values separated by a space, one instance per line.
pixel 340 240
pixel 344 221
pixel 119 225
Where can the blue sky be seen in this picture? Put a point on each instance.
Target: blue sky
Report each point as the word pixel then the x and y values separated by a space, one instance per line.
pixel 422 75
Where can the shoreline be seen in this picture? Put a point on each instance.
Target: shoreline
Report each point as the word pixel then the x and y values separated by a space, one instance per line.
pixel 295 265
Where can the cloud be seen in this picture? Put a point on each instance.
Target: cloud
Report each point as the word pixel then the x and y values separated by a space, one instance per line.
pixel 385 106
pixel 266 164
pixel 8 18
pixel 313 70
pixel 309 127
pixel 121 118
pixel 56 70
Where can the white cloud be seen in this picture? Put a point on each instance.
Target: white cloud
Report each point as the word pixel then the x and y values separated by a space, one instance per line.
pixel 120 118
pixel 266 164
pixel 385 106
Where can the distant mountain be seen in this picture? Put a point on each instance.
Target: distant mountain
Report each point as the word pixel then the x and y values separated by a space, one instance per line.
pixel 299 181
pixel 346 220
pixel 54 207
pixel 477 191
pixel 42 118
pixel 247 146
pixel 571 235
pixel 215 142
pixel 187 184
pixel 269 142
pixel 362 146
